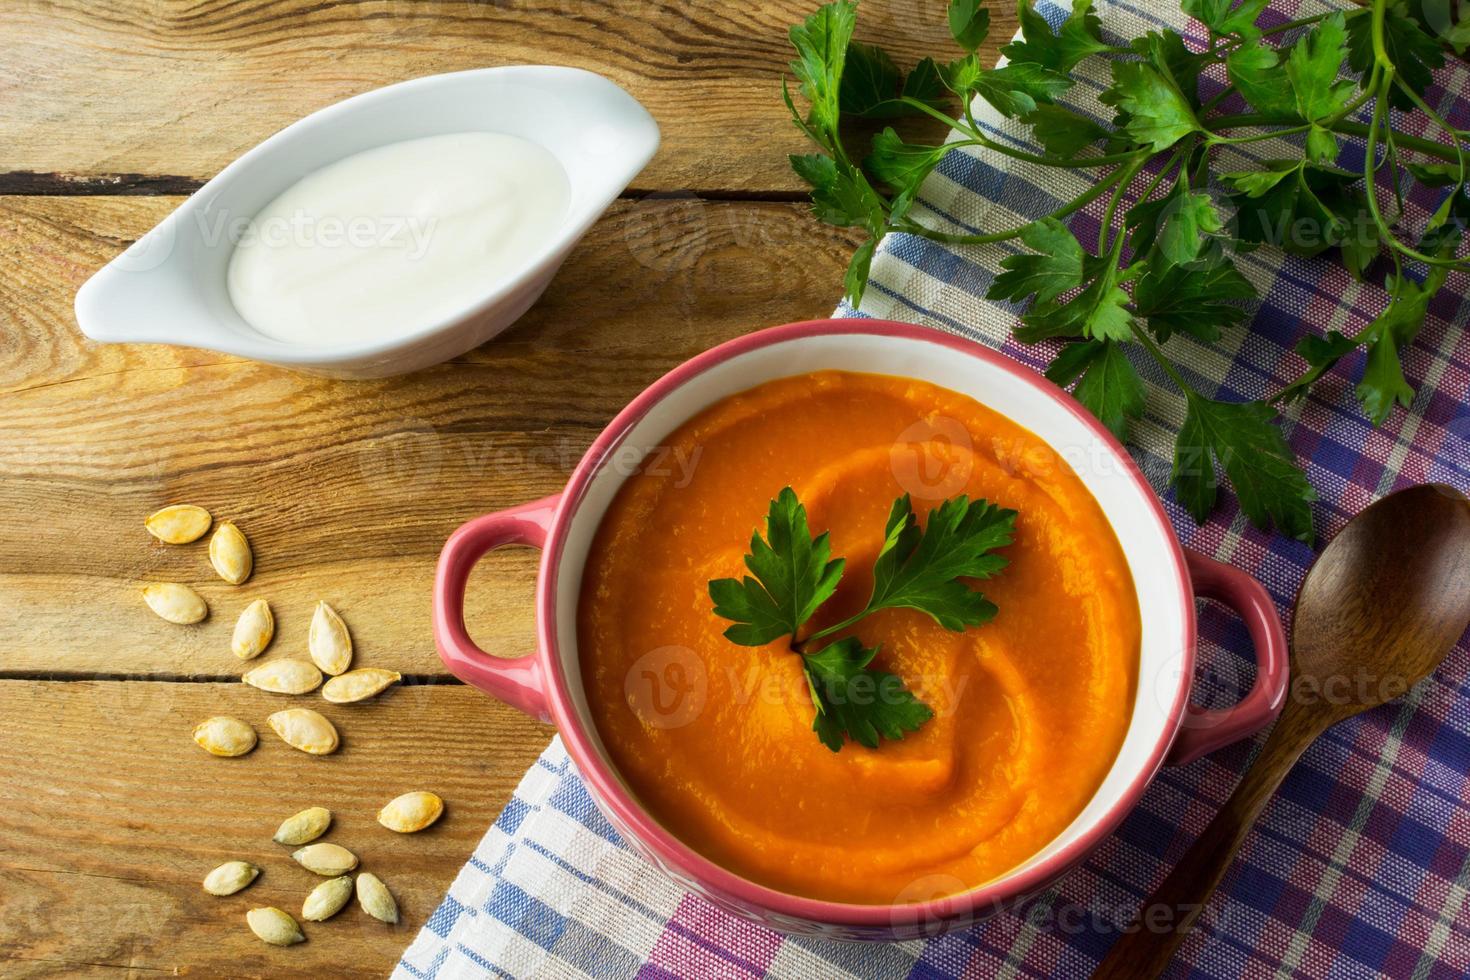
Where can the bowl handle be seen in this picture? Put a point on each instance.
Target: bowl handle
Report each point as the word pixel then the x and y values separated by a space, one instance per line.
pixel 1203 731
pixel 518 681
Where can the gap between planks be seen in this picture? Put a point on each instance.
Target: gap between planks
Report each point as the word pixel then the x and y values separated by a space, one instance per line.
pixel 31 183
pixel 49 676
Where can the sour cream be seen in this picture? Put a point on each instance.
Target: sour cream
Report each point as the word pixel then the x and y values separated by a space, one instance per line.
pixel 394 239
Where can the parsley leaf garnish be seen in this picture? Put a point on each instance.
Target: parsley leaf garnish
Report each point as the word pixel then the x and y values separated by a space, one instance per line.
pixel 1056 268
pixel 1415 54
pixel 1180 223
pixel 821 48
pixel 969 24
pixel 1313 66
pixel 900 164
pixel 792 577
pixel 855 701
pixel 1080 35
pixel 873 87
pixel 842 196
pixel 1107 382
pixel 1181 67
pixel 1191 220
pixel 1255 69
pixel 1254 454
pixel 1383 381
pixel 1383 384
pixel 1259 183
pixel 1434 174
pixel 1100 311
pixel 1288 205
pixel 1194 301
pixel 1061 131
pixel 1016 90
pixel 1221 18
pixel 1157 113
pixel 1321 354
pixel 923 569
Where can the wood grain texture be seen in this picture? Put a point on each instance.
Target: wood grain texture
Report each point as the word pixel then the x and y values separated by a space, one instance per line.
pixel 113 816
pixel 113 89
pixel 346 490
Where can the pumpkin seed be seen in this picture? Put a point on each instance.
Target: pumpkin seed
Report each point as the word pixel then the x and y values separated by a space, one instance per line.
pixel 359 685
pixel 326 899
pixel 411 812
pixel 229 553
pixel 175 603
pixel 285 676
pixel 304 827
pixel 328 642
pixel 178 524
pixel 304 729
pixel 225 736
pixel 326 859
pixel 253 630
pixel 274 926
pixel 375 898
pixel 230 877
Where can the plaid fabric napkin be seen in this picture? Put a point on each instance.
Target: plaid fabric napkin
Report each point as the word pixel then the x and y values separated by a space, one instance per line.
pixel 1360 864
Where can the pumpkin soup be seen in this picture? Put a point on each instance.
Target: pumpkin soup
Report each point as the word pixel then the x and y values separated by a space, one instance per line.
pixel 1029 709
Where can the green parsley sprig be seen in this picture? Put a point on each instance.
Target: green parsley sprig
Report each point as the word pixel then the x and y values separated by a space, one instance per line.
pixel 792 574
pixel 1163 265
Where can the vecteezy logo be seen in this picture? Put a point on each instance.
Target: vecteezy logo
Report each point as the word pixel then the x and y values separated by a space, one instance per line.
pixel 410 456
pixel 1450 19
pixel 933 458
pixel 667 687
pixel 151 250
pixel 667 231
pixel 911 918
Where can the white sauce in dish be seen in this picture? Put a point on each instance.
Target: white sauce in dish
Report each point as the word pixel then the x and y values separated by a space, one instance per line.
pixel 394 239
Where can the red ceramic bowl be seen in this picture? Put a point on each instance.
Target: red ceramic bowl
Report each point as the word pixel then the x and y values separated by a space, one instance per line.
pixel 1164 728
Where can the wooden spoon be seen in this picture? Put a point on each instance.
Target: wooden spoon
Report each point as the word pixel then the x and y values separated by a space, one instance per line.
pixel 1379 609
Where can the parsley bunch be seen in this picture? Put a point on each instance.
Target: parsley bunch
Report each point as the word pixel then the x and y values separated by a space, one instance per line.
pixel 792 574
pixel 1163 265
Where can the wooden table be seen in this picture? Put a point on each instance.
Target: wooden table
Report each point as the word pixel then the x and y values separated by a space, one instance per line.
pixel 112 111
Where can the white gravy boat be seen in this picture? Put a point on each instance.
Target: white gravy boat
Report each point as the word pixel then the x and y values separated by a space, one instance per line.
pixel 169 286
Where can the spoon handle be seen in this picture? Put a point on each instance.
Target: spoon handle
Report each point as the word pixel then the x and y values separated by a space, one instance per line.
pixel 1168 917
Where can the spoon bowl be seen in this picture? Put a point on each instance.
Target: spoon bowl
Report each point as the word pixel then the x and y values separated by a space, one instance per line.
pixel 1379 609
pixel 1384 602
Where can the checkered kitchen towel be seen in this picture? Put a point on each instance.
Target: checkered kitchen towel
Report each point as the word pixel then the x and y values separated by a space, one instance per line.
pixel 1359 866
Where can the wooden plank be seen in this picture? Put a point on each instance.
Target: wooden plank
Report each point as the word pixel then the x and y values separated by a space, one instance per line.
pixel 347 490
pixel 118 90
pixel 113 817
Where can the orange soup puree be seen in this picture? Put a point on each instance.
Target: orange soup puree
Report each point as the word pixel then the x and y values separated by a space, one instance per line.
pixel 715 739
